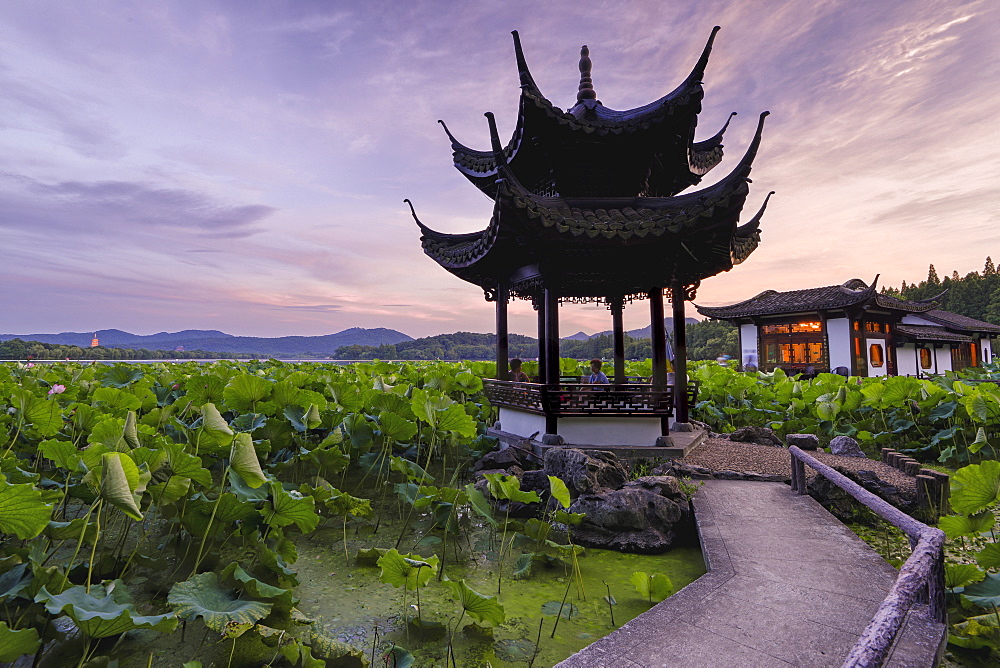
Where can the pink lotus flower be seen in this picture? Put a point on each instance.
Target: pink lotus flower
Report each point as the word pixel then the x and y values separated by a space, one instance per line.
pixel 30 364
pixel 57 389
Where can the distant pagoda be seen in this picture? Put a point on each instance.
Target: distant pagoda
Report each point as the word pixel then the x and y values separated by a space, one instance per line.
pixel 587 209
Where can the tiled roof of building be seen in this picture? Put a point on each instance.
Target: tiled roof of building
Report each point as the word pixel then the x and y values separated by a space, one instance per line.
pixel 961 322
pixel 931 333
pixel 830 297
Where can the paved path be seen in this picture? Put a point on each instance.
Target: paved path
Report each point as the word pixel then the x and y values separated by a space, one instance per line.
pixel 788 585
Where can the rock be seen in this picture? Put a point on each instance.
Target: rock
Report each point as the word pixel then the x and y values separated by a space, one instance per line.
pixel 632 519
pixel 758 435
pixel 503 459
pixel 588 472
pixel 845 446
pixel 803 441
pixel 664 485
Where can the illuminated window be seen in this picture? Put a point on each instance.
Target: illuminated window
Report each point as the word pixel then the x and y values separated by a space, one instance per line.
pixel 876 355
pixel 925 358
pixel 877 327
pixel 973 355
pixel 857 325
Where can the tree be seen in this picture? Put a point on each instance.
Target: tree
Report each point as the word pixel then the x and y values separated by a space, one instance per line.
pixel 989 269
pixel 932 277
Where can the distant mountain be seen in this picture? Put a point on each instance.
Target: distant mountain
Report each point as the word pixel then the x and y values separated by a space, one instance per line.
pixel 634 333
pixel 220 342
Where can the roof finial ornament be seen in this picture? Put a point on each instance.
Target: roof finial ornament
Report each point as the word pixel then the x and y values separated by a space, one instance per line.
pixel 586 91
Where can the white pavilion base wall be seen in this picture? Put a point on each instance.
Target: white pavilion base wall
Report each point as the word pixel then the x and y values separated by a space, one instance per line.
pixel 521 423
pixel 906 360
pixel 610 430
pixel 586 430
pixel 838 333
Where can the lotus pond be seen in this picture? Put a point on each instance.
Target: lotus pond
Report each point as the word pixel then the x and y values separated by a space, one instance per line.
pixel 265 513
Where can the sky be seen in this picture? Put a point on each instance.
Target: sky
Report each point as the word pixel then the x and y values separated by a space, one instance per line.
pixel 242 165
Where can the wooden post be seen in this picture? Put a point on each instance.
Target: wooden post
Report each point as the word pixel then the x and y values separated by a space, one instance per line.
pixel 503 338
pixel 680 354
pixel 540 306
pixel 658 336
pixel 618 328
pixel 551 351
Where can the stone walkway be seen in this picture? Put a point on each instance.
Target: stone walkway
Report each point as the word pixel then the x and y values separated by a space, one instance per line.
pixel 788 585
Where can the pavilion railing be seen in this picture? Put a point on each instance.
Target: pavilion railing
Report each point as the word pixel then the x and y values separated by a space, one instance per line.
pixel 920 579
pixel 586 400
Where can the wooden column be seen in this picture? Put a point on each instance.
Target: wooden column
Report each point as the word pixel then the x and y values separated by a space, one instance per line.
pixel 503 338
pixel 658 337
pixel 680 354
pixel 540 305
pixel 551 299
pixel 551 336
pixel 618 328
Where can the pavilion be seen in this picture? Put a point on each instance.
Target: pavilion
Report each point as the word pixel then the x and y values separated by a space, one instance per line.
pixel 588 209
pixel 857 329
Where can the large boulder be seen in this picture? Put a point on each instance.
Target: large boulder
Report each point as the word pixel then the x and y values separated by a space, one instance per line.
pixel 588 472
pixel 845 446
pixel 642 517
pixel 758 435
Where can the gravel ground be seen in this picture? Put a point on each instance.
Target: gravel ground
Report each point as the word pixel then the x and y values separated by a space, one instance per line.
pixel 723 455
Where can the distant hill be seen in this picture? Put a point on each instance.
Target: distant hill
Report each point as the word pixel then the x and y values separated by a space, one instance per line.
pixel 216 341
pixel 642 333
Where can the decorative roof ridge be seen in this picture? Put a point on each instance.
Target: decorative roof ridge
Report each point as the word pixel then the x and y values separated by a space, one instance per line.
pixel 753 225
pixel 524 74
pixel 457 145
pixel 441 236
pixel 713 141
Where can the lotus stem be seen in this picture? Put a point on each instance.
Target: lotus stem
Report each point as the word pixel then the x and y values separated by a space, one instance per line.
pixel 559 615
pixel 211 519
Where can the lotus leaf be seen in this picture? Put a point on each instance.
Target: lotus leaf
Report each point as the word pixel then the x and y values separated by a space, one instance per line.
pixel 980 441
pixel 564 610
pixel 478 502
pixel 396 427
pixel 115 401
pixel 23 510
pixel 975 487
pixel 110 433
pixel 130 433
pixel 484 609
pixel 14 581
pixel 71 530
pixel 244 391
pixel 201 596
pixel 243 460
pixel 503 486
pixel 966 525
pixel 523 564
pixel 119 479
pixel 559 491
pixel 329 648
pixel 63 453
pixel 655 588
pixel 985 593
pixel 121 375
pixel 44 416
pixel 290 507
pixel 14 644
pixel 109 612
pixel 960 575
pixel 256 588
pixel 214 422
pixel 406 570
pixel 989 556
pixel 411 470
pixel 186 465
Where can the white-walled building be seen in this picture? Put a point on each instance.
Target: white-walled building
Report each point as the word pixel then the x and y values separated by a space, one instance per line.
pixel 854 328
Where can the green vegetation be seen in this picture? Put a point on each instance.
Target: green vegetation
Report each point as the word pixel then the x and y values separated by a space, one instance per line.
pixel 976 295
pixel 186 502
pixel 16 349
pixel 949 419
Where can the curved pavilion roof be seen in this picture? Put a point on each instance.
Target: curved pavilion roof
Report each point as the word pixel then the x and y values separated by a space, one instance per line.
pixel 592 150
pixel 601 246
